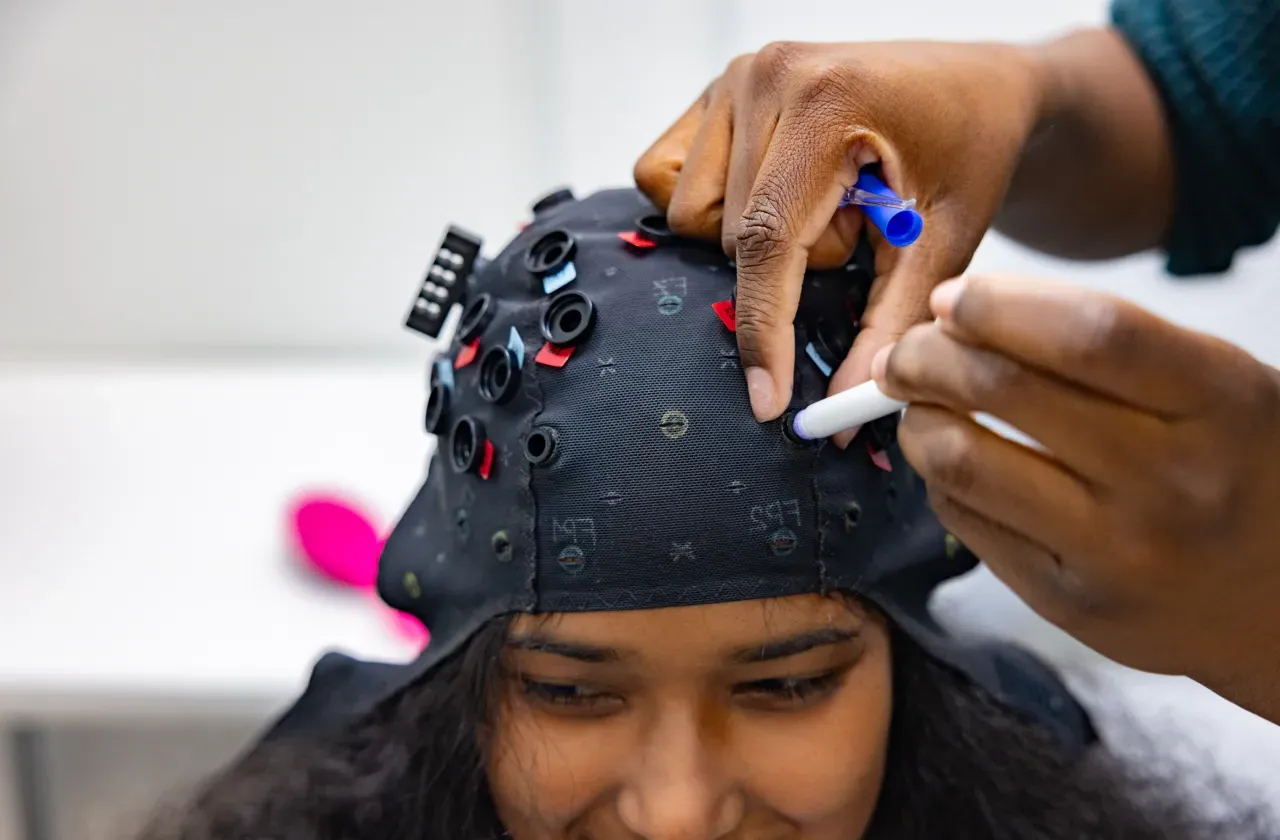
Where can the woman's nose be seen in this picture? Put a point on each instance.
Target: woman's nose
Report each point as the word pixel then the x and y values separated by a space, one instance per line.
pixel 677 790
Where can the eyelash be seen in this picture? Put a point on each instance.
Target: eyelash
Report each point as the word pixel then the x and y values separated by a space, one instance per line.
pixel 793 691
pixel 559 694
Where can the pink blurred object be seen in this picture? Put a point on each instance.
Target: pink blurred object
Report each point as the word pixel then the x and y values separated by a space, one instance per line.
pixel 410 628
pixel 337 540
pixel 341 543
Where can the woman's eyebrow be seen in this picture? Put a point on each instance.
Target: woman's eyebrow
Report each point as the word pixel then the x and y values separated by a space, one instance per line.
pixel 572 650
pixel 782 648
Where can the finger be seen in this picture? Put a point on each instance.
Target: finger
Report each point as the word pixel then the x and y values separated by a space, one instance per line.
pixel 1098 341
pixel 1032 571
pixel 697 205
pixel 899 300
pixel 755 117
pixel 833 247
pixel 1009 484
pixel 1094 437
pixel 755 106
pixel 658 169
pixel 836 244
pixel 791 203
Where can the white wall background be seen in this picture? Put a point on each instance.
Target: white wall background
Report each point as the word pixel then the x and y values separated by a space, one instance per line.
pixel 271 177
pixel 261 178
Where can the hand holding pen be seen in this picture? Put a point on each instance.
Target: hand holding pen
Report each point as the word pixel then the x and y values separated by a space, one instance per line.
pixel 763 162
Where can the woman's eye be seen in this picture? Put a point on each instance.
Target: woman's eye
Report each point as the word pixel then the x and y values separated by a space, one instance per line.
pixel 567 694
pixel 793 691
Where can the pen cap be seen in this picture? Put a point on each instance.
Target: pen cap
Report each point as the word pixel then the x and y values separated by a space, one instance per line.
pixel 900 227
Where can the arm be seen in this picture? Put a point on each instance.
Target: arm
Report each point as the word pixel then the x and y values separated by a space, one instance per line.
pixel 1096 178
pixel 1161 132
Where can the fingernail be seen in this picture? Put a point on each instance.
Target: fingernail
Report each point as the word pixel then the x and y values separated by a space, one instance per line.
pixel 879 362
pixel 944 297
pixel 760 388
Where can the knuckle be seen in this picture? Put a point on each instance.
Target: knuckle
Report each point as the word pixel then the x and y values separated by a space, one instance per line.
pixel 1201 493
pixel 1253 393
pixel 944 508
pixel 1107 328
pixel 739 65
pixel 906 366
pixel 686 218
pixel 1066 601
pixel 1079 600
pixel 824 84
pixel 989 376
pixel 949 458
pixel 651 173
pixel 775 59
pixel 681 217
pixel 763 235
pixel 1144 562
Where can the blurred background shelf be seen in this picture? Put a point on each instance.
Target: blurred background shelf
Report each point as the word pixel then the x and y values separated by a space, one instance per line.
pixel 151 615
pixel 144 559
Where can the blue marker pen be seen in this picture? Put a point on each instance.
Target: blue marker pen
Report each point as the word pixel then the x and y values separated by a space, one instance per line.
pixel 894 217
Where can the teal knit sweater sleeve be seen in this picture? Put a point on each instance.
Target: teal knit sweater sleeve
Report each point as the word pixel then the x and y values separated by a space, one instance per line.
pixel 1217 66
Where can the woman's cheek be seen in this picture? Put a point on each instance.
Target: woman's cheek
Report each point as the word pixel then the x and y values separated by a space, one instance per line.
pixel 547 772
pixel 829 762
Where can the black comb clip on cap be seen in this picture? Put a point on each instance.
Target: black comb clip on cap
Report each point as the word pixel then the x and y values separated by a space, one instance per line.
pixel 445 283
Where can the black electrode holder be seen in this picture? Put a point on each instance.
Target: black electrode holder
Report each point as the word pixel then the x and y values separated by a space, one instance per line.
pixel 445 283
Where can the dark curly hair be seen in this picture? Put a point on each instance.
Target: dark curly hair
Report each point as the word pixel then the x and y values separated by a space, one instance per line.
pixel 960 766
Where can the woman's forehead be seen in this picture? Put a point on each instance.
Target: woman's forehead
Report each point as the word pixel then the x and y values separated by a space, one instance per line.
pixel 709 629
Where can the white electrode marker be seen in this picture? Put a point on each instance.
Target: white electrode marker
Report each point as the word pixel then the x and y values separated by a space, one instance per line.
pixel 845 410
pixel 859 406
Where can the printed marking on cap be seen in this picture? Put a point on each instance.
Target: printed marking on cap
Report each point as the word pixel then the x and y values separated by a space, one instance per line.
pixel 783 541
pixel 574 529
pixel 674 424
pixel 776 514
pixel 572 559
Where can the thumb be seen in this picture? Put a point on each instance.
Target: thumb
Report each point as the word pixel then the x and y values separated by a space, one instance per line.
pixel 899 300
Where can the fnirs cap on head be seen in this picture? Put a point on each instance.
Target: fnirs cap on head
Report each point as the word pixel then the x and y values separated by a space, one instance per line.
pixel 595 425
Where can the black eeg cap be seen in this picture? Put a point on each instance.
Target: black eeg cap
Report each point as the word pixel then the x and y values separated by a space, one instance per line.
pixel 647 482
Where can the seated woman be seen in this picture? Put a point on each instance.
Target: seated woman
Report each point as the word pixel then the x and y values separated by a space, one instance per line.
pixel 653 617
